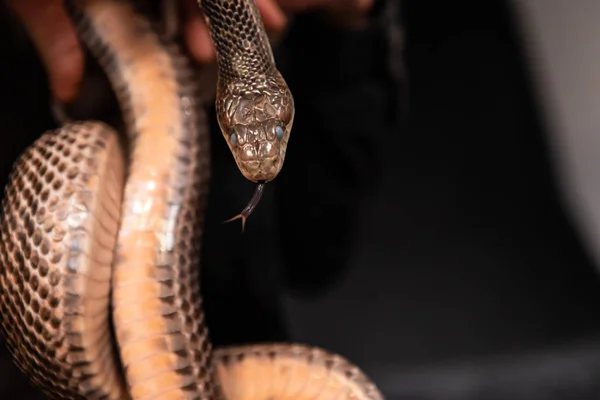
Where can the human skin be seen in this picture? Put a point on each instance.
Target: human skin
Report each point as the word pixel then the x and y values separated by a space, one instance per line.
pixel 55 39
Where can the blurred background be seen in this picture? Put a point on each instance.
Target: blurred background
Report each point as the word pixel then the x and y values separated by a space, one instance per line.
pixel 452 249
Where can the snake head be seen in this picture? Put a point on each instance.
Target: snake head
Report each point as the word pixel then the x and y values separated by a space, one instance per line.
pixel 256 123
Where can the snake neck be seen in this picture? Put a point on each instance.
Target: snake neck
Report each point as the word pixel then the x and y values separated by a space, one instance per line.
pixel 242 54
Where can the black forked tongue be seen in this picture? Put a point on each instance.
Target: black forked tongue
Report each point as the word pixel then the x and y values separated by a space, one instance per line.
pixel 245 213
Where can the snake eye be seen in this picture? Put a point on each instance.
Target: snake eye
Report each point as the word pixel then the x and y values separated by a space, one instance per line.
pixel 279 132
pixel 233 138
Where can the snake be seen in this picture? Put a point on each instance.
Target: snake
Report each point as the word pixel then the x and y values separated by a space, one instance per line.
pixel 101 230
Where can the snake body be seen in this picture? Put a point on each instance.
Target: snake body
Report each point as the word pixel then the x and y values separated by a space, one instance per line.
pixel 99 257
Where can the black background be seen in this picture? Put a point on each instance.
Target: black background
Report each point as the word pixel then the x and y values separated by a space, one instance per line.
pixel 467 279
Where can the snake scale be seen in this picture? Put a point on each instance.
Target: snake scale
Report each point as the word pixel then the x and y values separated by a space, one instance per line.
pixel 99 257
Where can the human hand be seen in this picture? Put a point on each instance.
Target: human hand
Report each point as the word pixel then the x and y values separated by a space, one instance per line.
pixel 55 39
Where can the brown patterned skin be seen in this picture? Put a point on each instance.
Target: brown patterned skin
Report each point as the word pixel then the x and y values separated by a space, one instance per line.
pixel 56 260
pixel 99 257
pixel 255 107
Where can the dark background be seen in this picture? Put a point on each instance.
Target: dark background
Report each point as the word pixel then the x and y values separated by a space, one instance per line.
pixel 469 281
pixel 466 278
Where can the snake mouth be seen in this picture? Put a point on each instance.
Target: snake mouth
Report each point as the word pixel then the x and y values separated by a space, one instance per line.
pixel 261 171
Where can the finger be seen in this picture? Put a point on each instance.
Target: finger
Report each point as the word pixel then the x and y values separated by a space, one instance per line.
pixel 54 38
pixel 196 34
pixel 272 15
pixel 198 38
pixel 327 5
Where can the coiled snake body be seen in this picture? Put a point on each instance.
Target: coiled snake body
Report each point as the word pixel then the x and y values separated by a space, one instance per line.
pixel 99 257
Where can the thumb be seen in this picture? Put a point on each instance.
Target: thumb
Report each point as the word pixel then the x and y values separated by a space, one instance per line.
pixel 55 40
